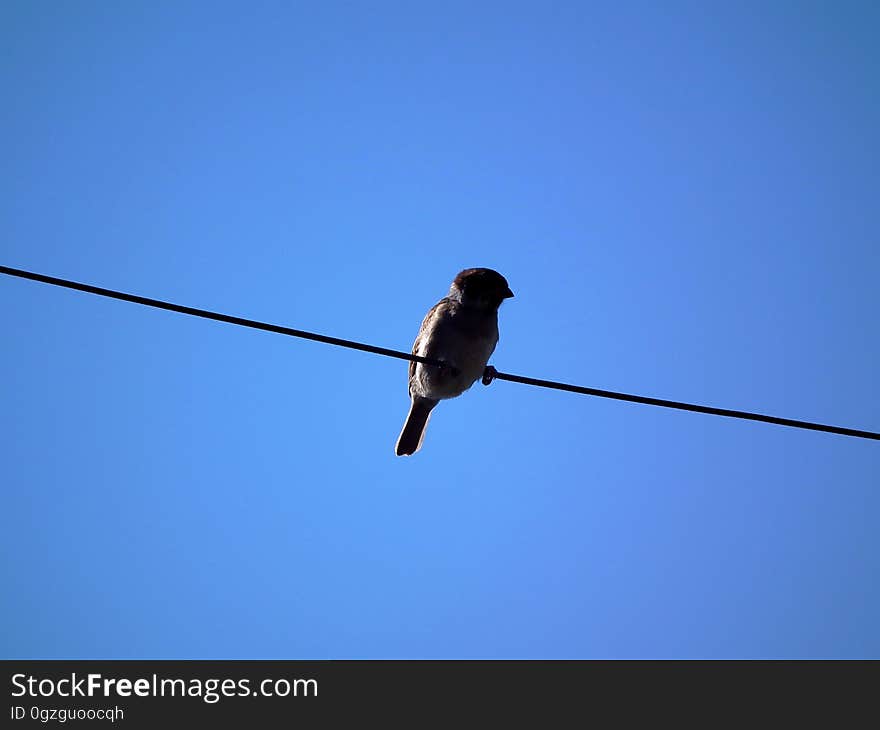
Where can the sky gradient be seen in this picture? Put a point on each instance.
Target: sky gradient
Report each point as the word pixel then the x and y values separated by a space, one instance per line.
pixel 684 199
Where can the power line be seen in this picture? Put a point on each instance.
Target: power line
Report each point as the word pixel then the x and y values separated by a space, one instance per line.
pixel 241 321
pixel 490 374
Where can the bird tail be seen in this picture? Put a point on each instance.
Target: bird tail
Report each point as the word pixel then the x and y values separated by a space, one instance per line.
pixel 410 439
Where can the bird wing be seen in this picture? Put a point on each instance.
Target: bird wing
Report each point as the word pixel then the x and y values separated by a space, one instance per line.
pixel 426 328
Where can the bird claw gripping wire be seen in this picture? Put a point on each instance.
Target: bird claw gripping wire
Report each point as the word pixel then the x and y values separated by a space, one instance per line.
pixel 489 375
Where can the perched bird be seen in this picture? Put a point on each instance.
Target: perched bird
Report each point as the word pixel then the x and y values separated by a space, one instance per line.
pixel 461 330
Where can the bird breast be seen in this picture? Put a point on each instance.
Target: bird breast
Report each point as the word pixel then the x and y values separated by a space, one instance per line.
pixel 462 337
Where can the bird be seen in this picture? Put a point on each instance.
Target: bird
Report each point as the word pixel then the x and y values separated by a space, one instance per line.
pixel 461 330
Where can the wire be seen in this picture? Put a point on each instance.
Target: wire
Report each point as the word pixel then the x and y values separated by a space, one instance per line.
pixel 490 374
pixel 241 321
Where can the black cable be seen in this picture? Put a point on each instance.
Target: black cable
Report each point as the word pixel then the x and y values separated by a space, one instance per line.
pixel 171 307
pixel 490 374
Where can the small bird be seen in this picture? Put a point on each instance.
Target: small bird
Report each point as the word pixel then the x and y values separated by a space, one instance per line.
pixel 461 330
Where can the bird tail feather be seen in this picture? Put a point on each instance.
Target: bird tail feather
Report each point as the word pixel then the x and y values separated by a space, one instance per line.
pixel 410 439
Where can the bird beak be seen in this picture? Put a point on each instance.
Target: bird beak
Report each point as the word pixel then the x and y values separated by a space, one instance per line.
pixel 508 294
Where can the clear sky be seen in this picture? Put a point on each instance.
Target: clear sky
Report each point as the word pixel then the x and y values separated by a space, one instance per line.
pixel 684 198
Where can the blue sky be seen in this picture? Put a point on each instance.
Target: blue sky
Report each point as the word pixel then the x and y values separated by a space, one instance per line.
pixel 683 197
